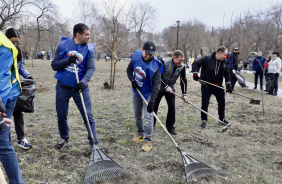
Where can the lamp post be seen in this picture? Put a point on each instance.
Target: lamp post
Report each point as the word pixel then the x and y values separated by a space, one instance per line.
pixel 177 24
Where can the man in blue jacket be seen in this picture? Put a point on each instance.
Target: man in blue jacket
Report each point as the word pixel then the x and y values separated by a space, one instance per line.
pixel 67 85
pixel 144 72
pixel 258 64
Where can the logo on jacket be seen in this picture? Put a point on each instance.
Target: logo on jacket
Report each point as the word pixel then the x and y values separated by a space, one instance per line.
pixel 139 75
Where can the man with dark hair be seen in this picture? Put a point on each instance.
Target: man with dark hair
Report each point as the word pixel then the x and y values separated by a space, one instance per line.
pixel 213 69
pixel 233 66
pixel 144 72
pixel 72 51
pixel 173 68
pixel 258 64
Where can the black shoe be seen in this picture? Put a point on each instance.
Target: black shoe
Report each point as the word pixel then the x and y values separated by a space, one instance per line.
pixel 261 88
pixel 61 143
pixel 224 121
pixel 274 94
pixel 172 132
pixel 255 87
pixel 204 124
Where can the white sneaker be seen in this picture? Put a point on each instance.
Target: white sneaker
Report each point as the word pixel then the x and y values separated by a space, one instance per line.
pixel 24 144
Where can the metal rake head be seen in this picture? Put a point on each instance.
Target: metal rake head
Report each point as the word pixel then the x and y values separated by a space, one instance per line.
pixel 194 169
pixel 101 167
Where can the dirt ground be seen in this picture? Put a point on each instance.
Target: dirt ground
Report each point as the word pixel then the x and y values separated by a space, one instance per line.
pixel 249 152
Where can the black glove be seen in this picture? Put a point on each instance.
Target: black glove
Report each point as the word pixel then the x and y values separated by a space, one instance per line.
pixel 80 86
pixel 150 107
pixel 2 107
pixel 229 89
pixel 276 75
pixel 72 59
pixel 196 77
pixel 134 84
pixel 29 77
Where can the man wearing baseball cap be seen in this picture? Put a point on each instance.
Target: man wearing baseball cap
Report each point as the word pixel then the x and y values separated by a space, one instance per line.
pixel 144 72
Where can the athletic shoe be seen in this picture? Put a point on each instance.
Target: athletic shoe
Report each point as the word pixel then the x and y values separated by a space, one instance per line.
pixel 204 123
pixel 147 146
pixel 24 144
pixel 138 138
pixel 172 132
pixel 274 94
pixel 61 143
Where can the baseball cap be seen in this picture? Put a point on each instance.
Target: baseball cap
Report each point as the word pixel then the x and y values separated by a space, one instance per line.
pixel 236 48
pixel 149 47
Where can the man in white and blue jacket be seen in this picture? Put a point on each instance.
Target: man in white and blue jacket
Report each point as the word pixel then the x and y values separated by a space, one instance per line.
pixel 258 64
pixel 67 85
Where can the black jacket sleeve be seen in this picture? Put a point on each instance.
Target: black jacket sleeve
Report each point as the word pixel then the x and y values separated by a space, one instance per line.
pixel 58 64
pixel 129 71
pixel 233 62
pixel 156 85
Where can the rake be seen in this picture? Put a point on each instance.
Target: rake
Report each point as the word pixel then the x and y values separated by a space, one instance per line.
pixel 100 166
pixel 194 169
pixel 226 125
pixel 253 101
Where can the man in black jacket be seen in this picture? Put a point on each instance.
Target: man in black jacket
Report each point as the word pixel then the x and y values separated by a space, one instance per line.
pixel 233 66
pixel 213 69
pixel 173 68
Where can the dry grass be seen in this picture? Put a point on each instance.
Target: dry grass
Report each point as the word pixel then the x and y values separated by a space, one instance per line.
pixel 249 152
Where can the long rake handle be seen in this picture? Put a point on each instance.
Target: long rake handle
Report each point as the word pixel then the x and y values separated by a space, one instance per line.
pixel 158 119
pixel 83 104
pixel 225 89
pixel 202 110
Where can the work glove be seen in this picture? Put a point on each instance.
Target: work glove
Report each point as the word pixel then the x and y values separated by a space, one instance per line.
pixel 150 107
pixel 196 77
pixel 72 59
pixel 29 77
pixel 229 89
pixel 80 86
pixel 276 75
pixel 2 124
pixel 234 71
pixel 134 84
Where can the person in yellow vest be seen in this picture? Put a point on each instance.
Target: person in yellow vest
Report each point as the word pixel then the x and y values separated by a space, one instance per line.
pixel 10 89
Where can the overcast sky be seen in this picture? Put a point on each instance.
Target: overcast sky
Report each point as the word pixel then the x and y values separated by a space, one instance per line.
pixel 209 12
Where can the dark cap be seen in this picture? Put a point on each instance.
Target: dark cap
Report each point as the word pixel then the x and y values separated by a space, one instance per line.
pixel 149 47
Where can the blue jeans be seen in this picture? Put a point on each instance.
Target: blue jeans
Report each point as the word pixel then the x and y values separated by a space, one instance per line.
pixel 219 94
pixel 63 96
pixel 138 106
pixel 8 155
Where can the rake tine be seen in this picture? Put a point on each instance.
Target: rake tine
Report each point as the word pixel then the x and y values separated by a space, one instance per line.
pixel 256 102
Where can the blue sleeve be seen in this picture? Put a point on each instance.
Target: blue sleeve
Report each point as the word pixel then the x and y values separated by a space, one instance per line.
pixel 58 64
pixel 22 70
pixel 90 69
pixel 254 65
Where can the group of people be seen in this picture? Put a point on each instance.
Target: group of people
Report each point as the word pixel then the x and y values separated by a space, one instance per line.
pixel 269 67
pixel 150 78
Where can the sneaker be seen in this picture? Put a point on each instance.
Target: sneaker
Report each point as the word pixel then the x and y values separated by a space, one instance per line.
pixel 147 146
pixel 24 144
pixel 224 121
pixel 274 94
pixel 172 132
pixel 61 143
pixel 255 87
pixel 138 138
pixel 204 124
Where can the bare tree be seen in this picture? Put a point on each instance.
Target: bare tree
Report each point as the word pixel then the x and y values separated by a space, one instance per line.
pixel 11 10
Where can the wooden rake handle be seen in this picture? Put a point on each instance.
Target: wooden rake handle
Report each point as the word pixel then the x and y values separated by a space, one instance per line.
pixel 225 89
pixel 158 119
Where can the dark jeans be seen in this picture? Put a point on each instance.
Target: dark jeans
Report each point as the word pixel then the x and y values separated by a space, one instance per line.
pixel 233 79
pixel 8 155
pixel 170 99
pixel 19 124
pixel 260 75
pixel 63 96
pixel 276 85
pixel 219 94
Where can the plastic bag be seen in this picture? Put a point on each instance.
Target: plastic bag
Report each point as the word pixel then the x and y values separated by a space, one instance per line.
pixel 240 79
pixel 25 100
pixel 270 83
